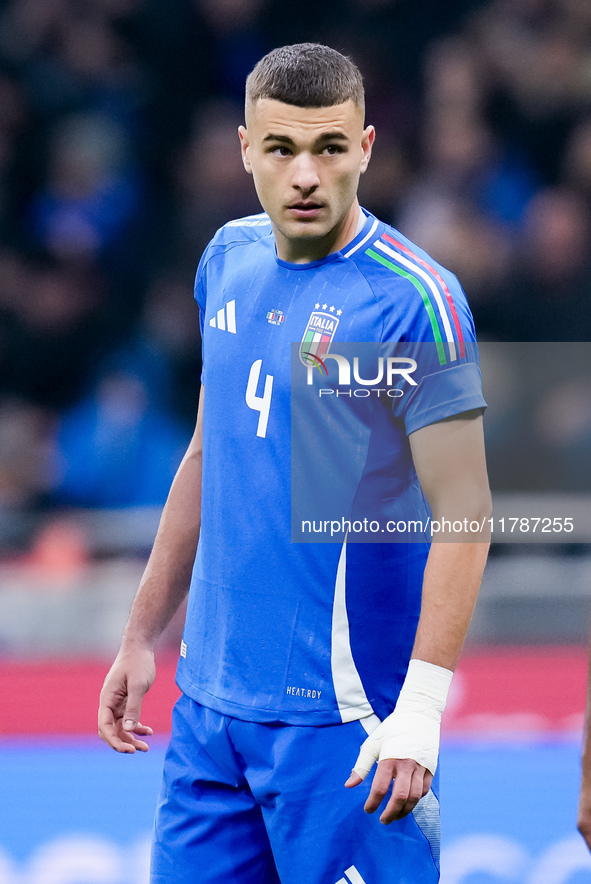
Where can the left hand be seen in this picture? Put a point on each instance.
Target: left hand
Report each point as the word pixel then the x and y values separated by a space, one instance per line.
pixel 406 743
pixel 411 782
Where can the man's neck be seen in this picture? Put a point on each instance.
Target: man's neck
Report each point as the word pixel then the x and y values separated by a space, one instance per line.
pixel 360 223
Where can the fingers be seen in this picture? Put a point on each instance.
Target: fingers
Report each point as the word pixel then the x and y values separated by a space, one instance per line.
pixel 353 780
pixel 108 731
pixel 133 707
pixel 114 735
pixel 411 782
pixel 380 786
pixel 143 729
pixel 118 718
pixel 368 755
pixel 407 791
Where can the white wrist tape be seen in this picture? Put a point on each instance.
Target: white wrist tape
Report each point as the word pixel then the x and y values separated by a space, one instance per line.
pixel 412 730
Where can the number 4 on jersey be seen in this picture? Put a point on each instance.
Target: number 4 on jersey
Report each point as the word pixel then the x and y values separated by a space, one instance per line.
pixel 262 404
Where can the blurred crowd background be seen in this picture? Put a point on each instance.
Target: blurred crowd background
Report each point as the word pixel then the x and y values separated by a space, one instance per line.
pixel 119 159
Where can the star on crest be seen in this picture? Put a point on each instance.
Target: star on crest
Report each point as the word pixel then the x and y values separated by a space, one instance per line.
pixel 317 306
pixel 331 310
pixel 339 312
pixel 324 306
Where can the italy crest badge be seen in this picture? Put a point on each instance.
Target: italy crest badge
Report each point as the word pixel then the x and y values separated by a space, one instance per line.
pixel 318 335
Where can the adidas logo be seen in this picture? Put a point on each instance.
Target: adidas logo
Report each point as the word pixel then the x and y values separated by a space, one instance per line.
pixel 225 319
pixel 352 876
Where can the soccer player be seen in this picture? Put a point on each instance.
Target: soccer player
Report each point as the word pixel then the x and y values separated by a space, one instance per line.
pixel 302 660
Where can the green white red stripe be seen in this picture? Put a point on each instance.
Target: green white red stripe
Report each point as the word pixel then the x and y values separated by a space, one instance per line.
pixel 433 290
pixel 315 343
pixel 442 283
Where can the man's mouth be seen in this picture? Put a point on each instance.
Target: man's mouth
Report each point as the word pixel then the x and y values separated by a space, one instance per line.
pixel 305 209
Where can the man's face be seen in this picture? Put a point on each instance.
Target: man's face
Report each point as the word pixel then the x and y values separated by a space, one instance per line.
pixel 306 164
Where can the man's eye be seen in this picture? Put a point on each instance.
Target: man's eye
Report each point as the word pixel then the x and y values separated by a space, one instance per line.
pixel 332 149
pixel 281 151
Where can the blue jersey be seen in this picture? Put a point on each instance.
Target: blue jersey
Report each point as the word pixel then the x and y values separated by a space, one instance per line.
pixel 309 632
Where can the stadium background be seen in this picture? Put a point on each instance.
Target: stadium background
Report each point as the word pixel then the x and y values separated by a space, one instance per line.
pixel 118 160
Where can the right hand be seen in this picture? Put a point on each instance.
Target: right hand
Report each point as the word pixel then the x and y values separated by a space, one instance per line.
pixel 130 677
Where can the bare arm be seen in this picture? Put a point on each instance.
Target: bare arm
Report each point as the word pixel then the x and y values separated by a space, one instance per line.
pixel 584 815
pixel 163 587
pixel 450 463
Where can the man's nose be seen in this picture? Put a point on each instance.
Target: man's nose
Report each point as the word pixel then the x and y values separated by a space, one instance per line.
pixel 305 173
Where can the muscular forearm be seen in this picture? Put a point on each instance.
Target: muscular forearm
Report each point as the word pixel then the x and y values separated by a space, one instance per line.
pixel 450 587
pixel 163 587
pixel 450 462
pixel 166 579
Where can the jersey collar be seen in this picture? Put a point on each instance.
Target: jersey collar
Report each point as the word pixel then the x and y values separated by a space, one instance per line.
pixel 368 228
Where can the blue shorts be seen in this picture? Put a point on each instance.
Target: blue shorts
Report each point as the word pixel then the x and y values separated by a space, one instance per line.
pixel 249 803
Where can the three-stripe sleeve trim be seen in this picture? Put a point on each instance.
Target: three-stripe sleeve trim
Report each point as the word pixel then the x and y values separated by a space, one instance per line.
pixel 439 279
pixel 435 294
pixel 423 293
pixel 413 268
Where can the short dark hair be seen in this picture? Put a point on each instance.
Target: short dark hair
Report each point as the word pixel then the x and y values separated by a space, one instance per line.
pixel 306 75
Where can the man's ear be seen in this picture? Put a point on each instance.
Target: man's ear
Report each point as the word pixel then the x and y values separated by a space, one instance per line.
pixel 244 148
pixel 367 140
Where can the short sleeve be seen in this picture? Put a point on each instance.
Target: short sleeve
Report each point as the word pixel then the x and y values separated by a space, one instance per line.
pixel 439 344
pixel 443 393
